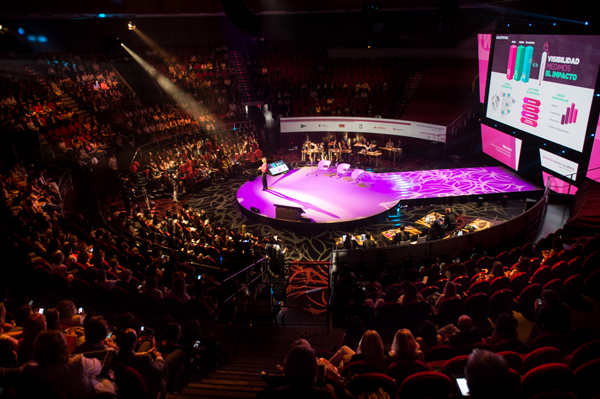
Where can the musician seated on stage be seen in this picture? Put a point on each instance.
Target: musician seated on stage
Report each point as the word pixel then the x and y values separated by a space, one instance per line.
pixel 450 220
pixel 437 230
pixel 401 236
pixel 350 242
pixel 368 242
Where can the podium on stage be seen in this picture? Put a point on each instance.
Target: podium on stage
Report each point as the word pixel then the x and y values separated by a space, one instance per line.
pixel 287 212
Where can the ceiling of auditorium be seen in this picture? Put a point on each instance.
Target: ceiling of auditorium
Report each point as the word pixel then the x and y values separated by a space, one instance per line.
pixel 170 7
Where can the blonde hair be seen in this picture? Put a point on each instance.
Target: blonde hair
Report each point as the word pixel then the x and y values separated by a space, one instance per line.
pixel 405 346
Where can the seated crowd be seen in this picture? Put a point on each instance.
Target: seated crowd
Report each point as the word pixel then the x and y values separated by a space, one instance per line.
pixel 110 111
pixel 471 311
pixel 304 81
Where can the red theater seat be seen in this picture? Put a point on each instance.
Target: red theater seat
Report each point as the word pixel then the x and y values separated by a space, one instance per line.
pixel 425 385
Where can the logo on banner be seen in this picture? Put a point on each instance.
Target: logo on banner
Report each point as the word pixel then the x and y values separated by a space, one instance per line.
pixel 380 127
pixel 302 126
pixel 342 126
pixel 360 125
pixel 323 125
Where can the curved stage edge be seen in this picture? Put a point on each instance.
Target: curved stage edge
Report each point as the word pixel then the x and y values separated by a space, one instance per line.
pixel 328 201
pixel 332 203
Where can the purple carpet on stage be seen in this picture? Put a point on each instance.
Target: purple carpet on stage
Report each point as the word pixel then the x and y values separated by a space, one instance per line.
pixel 328 199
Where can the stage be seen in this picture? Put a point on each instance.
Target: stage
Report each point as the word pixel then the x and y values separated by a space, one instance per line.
pixel 331 200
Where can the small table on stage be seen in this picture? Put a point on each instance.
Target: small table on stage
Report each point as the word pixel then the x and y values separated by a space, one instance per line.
pixel 310 154
pixel 334 151
pixel 374 154
pixel 394 151
pixel 390 234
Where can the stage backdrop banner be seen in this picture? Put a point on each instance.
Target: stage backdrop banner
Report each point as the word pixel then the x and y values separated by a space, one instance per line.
pixel 394 127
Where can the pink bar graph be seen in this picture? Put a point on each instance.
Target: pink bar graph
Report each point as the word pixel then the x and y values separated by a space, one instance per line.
pixel 512 58
pixel 571 113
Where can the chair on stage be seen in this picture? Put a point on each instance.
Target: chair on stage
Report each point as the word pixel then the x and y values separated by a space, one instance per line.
pixel 356 176
pixel 324 165
pixel 342 169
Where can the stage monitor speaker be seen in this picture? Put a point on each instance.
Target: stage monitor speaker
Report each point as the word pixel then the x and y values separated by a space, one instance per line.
pixel 255 210
pixel 242 16
pixel 285 212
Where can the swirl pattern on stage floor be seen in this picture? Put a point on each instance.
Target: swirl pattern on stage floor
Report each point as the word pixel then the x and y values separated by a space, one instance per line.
pixel 326 199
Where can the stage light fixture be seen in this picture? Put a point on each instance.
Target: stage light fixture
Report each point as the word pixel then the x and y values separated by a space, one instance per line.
pixel 131 25
pixel 1 27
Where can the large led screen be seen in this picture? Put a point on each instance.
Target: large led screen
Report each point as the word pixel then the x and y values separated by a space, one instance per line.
pixel 558 164
pixel 558 185
pixel 544 84
pixel 501 146
pixel 593 171
pixel 484 43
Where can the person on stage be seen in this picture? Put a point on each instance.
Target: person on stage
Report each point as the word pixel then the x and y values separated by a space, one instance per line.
pixel 263 169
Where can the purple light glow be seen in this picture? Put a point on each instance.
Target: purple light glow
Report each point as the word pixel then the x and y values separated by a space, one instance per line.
pixel 329 199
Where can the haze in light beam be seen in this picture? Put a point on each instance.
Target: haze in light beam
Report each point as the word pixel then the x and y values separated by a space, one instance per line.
pixel 183 99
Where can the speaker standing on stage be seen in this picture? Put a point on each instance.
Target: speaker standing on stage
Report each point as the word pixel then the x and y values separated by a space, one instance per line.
pixel 263 169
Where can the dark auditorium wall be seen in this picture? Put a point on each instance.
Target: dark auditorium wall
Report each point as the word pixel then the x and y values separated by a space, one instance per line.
pixel 339 29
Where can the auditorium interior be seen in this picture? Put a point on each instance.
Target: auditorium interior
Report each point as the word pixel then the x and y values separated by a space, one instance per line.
pixel 251 198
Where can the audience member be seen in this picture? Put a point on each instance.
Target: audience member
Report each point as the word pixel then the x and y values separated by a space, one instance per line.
pixel 488 376
pixel 405 347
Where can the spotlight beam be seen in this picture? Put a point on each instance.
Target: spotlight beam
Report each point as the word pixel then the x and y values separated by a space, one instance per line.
pixel 183 99
pixel 541 16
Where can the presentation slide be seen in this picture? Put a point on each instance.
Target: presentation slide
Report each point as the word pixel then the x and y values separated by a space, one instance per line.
pixel 484 43
pixel 544 84
pixel 594 165
pixel 558 185
pixel 558 164
pixel 501 146
pixel 278 167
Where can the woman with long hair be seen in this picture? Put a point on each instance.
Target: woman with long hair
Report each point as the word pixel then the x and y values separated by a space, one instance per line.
pixel 370 350
pixel 33 325
pixel 449 293
pixel 405 347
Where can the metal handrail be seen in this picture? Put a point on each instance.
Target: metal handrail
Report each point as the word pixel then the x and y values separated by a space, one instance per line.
pixel 244 269
pixel 220 129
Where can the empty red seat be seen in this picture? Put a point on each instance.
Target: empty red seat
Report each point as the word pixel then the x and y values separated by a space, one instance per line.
pixel 546 339
pixel 541 276
pixel 541 356
pixel 426 384
pixel 546 378
pixel 455 366
pixel 583 354
pixel 439 352
pixel 480 286
pixel 401 370
pixel 585 382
